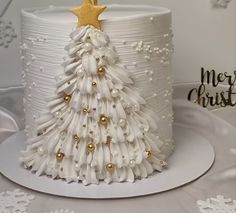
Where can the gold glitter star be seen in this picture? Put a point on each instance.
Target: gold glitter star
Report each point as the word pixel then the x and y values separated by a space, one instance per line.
pixel 88 13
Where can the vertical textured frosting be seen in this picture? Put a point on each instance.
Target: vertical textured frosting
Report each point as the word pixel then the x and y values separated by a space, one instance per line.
pixel 143 44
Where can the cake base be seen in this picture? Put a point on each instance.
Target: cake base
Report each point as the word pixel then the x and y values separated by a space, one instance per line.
pixel 192 157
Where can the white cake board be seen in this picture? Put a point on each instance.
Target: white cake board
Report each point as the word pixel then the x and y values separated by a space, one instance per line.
pixel 192 158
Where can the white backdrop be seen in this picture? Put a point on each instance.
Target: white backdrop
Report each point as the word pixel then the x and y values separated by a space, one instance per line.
pixel 204 37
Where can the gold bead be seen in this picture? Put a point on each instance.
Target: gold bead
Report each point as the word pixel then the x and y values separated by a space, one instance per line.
pixel 94 83
pixel 103 120
pixel 67 99
pixel 86 110
pixel 108 142
pixel 60 156
pixel 101 71
pixel 39 133
pixel 110 167
pixel 76 138
pixel 91 147
pixel 149 154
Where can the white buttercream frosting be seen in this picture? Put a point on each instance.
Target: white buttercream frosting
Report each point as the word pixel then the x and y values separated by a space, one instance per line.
pixel 135 94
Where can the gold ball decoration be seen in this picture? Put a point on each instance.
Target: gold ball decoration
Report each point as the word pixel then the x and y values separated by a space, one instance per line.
pixel 101 71
pixel 60 156
pixel 76 138
pixel 104 120
pixel 67 98
pixel 149 154
pixel 91 147
pixel 110 167
pixel 94 84
pixel 86 110
pixel 39 133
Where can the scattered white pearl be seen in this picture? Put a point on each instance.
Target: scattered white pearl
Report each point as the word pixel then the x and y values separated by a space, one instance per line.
pixel 136 107
pixel 114 93
pixel 122 123
pixel 154 95
pixel 146 72
pixel 132 162
pixel 151 19
pixel 63 134
pixel 33 58
pixel 147 57
pixel 57 114
pixel 150 79
pixel 88 47
pixel 163 117
pixel 77 166
pixel 40 150
pixel 134 63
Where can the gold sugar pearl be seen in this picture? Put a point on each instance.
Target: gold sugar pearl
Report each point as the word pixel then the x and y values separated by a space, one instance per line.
pixel 90 147
pixel 110 167
pixel 109 138
pixel 104 120
pixel 149 154
pixel 94 84
pixel 60 156
pixel 76 138
pixel 108 142
pixel 86 110
pixel 101 71
pixel 39 133
pixel 67 99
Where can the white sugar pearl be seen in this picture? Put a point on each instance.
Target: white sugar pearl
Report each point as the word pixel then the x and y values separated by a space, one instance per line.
pixel 114 93
pixel 80 73
pixel 88 47
pixel 151 19
pixel 122 123
pixel 132 163
pixel 40 150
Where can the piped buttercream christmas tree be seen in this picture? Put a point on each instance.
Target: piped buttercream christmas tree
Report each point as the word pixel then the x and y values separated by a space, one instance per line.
pixel 97 126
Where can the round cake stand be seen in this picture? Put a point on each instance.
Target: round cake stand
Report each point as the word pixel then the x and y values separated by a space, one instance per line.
pixel 193 156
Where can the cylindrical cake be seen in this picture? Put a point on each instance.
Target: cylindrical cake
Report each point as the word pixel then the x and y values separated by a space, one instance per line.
pixel 142 39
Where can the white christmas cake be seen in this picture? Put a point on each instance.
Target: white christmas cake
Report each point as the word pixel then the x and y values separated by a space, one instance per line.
pixel 98 92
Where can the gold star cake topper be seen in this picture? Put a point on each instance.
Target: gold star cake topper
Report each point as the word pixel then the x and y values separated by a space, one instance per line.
pixel 88 13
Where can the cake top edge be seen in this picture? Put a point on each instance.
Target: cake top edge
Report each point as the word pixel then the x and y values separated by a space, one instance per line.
pixel 114 12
